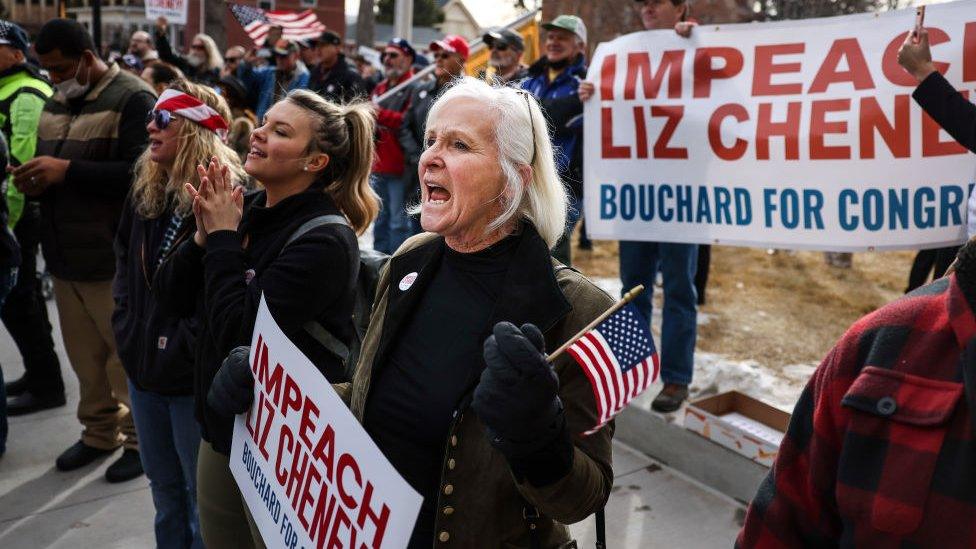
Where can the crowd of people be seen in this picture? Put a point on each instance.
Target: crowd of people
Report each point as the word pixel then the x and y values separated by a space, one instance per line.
pixel 168 193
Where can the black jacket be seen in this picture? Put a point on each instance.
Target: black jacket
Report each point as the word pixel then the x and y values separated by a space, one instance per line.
pixel 340 84
pixel 156 348
pixel 414 124
pixel 948 108
pixel 312 279
pixel 199 74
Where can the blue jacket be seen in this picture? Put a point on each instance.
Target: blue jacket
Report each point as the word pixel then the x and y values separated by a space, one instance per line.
pixel 263 79
pixel 560 101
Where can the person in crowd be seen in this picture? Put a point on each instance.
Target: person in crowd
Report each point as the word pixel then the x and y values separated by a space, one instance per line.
pixel 141 46
pixel 484 428
pixel 953 112
pixel 232 59
pixel 333 78
pixel 90 133
pixel 23 92
pixel 640 261
pixel 450 54
pixel 371 75
pixel 393 224
pixel 274 81
pixel 308 52
pixel 243 120
pixel 505 61
pixel 160 76
pixel 878 451
pixel 9 261
pixel 313 159
pixel 201 65
pixel 554 80
pixel 156 349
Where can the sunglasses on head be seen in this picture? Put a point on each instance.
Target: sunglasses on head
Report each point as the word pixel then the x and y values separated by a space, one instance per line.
pixel 162 118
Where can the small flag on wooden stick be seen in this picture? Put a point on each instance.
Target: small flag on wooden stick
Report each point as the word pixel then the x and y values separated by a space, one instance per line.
pixel 618 355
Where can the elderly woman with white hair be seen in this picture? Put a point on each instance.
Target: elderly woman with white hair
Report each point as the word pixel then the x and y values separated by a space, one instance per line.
pixel 453 383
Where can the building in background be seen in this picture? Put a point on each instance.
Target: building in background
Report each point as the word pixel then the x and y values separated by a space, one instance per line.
pixel 120 18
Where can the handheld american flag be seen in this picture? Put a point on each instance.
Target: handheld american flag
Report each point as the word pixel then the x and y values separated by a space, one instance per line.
pixel 619 358
pixel 295 25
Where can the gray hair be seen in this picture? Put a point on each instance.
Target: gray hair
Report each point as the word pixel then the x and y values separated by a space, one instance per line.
pixel 523 140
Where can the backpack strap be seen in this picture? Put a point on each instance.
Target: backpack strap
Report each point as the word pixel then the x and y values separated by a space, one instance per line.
pixel 313 328
pixel 601 530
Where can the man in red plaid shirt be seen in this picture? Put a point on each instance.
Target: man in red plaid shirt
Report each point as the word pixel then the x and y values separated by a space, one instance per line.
pixel 880 451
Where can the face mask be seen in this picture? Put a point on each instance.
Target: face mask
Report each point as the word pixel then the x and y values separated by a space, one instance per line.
pixel 72 88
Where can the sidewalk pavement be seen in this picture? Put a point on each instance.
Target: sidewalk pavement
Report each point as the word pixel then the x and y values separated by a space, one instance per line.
pixel 650 506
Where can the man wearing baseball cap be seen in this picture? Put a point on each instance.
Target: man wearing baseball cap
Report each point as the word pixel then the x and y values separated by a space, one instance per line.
pixel 392 225
pixel 275 81
pixel 23 92
pixel 450 54
pixel 505 61
pixel 333 78
pixel 554 80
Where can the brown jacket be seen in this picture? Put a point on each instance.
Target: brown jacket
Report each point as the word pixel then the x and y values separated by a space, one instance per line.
pixel 481 504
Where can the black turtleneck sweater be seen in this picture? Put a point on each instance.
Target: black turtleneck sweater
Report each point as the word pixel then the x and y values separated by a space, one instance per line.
pixel 435 362
pixel 312 279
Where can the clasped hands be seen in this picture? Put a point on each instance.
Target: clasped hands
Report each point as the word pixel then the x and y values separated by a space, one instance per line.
pixel 218 204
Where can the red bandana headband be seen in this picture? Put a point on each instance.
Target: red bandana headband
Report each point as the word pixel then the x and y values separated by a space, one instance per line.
pixel 191 108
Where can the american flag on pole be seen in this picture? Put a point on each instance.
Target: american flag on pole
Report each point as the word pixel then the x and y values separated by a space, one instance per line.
pixel 295 25
pixel 619 357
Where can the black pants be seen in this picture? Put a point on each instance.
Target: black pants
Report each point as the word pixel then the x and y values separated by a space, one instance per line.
pixel 938 259
pixel 25 314
pixel 701 274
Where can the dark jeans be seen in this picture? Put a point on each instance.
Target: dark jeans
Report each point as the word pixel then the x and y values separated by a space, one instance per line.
pixel 8 278
pixel 25 315
pixel 169 438
pixel 639 264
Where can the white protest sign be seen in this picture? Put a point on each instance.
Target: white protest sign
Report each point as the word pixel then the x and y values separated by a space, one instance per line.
pixel 798 134
pixel 173 10
pixel 309 472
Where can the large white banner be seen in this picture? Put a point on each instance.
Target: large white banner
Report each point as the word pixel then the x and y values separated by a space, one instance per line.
pixel 309 472
pixel 173 10
pixel 800 134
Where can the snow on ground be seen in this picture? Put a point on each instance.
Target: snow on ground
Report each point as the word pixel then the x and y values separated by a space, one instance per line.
pixel 715 374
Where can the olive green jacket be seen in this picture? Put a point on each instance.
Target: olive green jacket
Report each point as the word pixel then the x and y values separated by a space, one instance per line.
pixel 481 504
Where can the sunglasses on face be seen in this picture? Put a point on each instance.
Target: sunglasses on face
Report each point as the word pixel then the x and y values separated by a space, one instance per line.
pixel 162 118
pixel 498 46
pixel 233 59
pixel 390 55
pixel 442 55
pixel 196 47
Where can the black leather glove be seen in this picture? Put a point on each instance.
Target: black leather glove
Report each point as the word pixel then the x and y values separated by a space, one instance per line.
pixel 232 390
pixel 517 401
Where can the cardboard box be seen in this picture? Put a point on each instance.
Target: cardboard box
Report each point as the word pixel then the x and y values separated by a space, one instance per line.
pixel 740 423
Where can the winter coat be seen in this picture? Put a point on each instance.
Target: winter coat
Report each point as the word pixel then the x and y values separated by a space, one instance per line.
pixel 389 117
pixel 880 449
pixel 340 84
pixel 264 79
pixel 156 349
pixel 481 503
pixel 313 278
pixel 199 74
pixel 560 102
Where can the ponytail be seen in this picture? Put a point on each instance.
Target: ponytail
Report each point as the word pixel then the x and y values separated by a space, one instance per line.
pixel 345 133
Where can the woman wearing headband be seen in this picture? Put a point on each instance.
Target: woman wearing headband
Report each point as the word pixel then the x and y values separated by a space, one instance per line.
pixel 313 160
pixel 156 348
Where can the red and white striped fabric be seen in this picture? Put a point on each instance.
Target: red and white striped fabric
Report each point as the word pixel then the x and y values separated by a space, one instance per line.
pixel 295 25
pixel 620 360
pixel 191 108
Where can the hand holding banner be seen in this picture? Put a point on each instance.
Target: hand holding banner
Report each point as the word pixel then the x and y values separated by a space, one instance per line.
pixel 309 472
pixel 797 134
